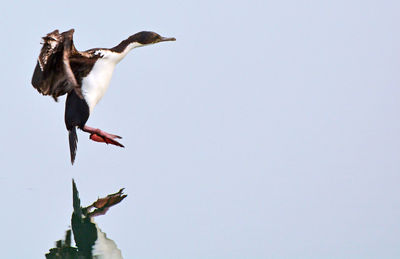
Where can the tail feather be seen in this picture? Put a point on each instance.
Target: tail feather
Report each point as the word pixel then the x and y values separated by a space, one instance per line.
pixel 73 140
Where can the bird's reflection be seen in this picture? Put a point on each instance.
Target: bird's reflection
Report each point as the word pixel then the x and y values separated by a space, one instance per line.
pixel 90 241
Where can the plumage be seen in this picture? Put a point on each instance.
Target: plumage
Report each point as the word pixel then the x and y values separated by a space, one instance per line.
pixel 84 76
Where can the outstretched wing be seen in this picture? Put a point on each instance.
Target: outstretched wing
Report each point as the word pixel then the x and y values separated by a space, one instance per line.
pixel 53 74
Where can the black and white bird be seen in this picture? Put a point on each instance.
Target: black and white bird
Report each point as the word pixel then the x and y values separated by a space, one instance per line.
pixel 84 76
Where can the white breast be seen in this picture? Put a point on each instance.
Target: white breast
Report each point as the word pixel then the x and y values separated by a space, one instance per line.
pixel 96 83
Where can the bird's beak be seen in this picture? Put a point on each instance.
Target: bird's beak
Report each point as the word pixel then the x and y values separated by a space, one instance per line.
pixel 167 39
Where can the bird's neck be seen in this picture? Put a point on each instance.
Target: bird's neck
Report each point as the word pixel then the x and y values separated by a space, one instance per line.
pixel 114 57
pixel 128 48
pixel 126 45
pixel 116 54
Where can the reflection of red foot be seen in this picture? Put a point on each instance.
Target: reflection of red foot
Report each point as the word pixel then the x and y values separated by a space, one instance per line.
pixel 101 136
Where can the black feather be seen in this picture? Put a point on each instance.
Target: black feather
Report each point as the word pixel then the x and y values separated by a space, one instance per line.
pixel 73 140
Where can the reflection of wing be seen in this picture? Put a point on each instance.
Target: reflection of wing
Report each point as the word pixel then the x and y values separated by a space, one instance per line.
pixel 53 74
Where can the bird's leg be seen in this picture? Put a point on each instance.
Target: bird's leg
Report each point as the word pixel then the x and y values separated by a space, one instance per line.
pixel 101 136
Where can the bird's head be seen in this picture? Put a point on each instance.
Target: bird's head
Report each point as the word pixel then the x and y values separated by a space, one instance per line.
pixel 148 37
pixel 139 39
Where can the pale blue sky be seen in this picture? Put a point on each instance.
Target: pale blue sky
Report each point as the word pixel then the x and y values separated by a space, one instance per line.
pixel 269 129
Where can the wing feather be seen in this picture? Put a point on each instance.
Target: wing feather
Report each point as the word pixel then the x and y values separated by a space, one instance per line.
pixel 53 74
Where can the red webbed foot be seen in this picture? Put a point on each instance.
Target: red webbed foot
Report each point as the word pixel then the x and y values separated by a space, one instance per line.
pixel 102 136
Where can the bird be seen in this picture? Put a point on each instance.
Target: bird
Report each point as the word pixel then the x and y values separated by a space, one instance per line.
pixel 84 76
